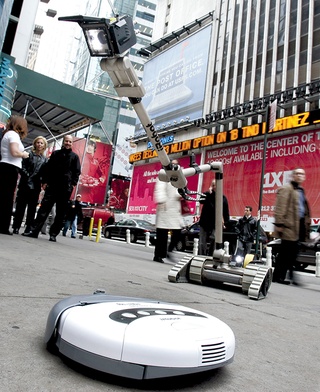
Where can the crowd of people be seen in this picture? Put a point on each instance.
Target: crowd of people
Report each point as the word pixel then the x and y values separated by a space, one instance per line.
pixel 57 176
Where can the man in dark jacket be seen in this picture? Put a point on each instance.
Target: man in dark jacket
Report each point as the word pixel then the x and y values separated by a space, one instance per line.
pixel 208 219
pixel 246 229
pixel 292 224
pixel 60 176
pixel 74 216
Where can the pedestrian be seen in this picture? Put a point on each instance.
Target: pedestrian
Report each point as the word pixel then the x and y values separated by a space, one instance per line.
pixel 12 153
pixel 73 217
pixel 29 185
pixel 246 229
pixel 168 217
pixel 50 219
pixel 292 224
pixel 60 176
pixel 207 220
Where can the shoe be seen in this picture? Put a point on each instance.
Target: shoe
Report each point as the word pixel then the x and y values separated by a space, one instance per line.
pixel 169 256
pixel 64 234
pixel 52 238
pixel 31 234
pixel 281 281
pixel 7 232
pixel 158 259
pixel 15 231
pixel 73 236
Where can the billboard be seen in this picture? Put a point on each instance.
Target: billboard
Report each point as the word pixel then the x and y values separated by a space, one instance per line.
pixel 119 191
pixel 121 165
pixel 143 183
pixel 177 91
pixel 247 132
pixel 242 165
pixel 95 165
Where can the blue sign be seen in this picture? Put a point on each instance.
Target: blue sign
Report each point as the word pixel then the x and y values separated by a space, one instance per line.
pixel 8 85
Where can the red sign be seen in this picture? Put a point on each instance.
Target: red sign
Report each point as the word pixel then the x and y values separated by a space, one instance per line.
pixel 143 183
pixel 119 194
pixel 95 166
pixel 242 164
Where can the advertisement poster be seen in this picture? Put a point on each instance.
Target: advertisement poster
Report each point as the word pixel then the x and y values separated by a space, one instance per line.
pixel 119 192
pixel 95 166
pixel 175 81
pixel 123 148
pixel 242 165
pixel 143 182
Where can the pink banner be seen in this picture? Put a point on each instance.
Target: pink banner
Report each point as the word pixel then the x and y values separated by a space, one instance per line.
pixel 95 166
pixel 242 165
pixel 119 194
pixel 143 183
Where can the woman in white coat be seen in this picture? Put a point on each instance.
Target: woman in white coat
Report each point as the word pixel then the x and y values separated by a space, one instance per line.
pixel 168 217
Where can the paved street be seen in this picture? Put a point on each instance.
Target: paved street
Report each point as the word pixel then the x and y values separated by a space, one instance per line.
pixel 277 339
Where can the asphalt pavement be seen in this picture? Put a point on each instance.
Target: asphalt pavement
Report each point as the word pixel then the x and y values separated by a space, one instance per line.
pixel 277 338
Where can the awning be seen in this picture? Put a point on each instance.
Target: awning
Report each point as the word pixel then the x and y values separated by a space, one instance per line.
pixel 176 35
pixel 48 104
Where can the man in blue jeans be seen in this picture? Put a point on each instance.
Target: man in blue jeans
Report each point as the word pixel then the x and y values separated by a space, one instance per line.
pixel 74 215
pixel 246 229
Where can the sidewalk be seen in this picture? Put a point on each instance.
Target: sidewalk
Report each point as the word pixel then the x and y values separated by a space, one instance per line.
pixel 277 342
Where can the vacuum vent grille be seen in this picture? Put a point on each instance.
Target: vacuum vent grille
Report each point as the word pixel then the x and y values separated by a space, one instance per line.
pixel 212 353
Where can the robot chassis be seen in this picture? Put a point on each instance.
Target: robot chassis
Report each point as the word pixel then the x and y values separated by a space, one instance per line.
pixel 253 276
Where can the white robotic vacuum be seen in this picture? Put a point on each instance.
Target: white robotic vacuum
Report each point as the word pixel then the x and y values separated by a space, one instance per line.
pixel 137 338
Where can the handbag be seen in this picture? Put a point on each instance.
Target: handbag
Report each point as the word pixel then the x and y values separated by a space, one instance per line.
pixel 185 208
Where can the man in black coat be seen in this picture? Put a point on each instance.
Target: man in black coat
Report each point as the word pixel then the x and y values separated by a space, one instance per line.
pixel 246 229
pixel 59 177
pixel 74 216
pixel 208 219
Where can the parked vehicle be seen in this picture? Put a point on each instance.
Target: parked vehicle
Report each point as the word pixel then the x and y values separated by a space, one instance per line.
pixel 307 252
pixel 104 213
pixel 189 233
pixel 138 229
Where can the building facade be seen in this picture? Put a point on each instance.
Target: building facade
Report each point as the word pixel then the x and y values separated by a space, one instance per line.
pixel 255 52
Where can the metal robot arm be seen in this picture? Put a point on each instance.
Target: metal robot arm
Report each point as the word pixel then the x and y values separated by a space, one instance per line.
pixel 127 84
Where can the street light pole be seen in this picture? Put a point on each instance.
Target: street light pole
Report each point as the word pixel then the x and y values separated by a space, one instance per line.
pixel 270 124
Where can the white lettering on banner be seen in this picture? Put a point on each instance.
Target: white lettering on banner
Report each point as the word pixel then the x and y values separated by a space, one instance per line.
pixel 249 157
pixel 287 141
pixel 148 173
pixel 284 152
pixel 222 152
pixel 277 179
pixel 282 147
pixel 138 208
pixel 225 161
